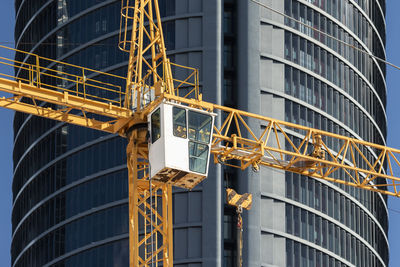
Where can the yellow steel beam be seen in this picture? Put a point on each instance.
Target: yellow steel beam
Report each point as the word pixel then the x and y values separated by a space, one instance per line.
pixel 239 201
pixel 63 77
pixel 114 117
pixel 149 69
pixel 59 115
pixel 236 144
pixel 271 144
pixel 150 202
pixel 64 99
pixel 143 17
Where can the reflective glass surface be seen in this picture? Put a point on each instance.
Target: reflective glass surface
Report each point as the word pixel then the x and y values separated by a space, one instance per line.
pixel 335 88
pixel 70 183
pixel 155 125
pixel 199 126
pixel 179 122
pixel 198 157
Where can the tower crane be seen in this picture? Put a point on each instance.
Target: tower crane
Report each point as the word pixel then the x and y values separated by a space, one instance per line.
pixel 157 113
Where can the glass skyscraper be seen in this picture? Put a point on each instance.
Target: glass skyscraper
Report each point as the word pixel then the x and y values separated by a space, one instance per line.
pixel 70 187
pixel 70 184
pixel 297 74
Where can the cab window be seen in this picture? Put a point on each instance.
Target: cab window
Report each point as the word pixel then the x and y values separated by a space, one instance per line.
pixel 199 127
pixel 155 125
pixel 198 157
pixel 199 132
pixel 179 123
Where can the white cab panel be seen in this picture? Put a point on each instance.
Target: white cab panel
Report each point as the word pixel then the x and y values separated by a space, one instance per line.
pixel 179 147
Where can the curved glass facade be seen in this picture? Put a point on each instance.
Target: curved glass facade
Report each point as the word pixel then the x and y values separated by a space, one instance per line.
pixel 70 184
pixel 332 87
pixel 343 91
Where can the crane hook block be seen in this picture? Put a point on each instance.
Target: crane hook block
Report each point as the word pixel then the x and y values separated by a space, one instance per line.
pixel 239 201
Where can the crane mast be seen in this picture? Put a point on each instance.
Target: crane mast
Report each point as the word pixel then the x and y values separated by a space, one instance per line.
pixel 141 86
pixel 123 107
pixel 148 67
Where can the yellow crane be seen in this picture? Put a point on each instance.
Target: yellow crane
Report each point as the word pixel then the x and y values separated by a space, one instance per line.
pixel 152 108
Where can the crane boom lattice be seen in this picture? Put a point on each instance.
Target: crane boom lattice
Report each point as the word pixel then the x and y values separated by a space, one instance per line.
pixel 306 151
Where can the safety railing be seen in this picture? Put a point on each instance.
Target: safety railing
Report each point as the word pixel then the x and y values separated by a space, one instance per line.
pixel 187 87
pixel 47 73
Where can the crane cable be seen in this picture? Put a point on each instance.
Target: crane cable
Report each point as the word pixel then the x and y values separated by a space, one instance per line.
pixel 326 34
pixel 273 10
pixel 333 38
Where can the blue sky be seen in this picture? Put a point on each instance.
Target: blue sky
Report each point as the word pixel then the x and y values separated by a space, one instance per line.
pixel 393 112
pixel 6 139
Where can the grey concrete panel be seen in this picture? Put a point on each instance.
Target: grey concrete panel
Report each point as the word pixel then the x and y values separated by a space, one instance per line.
pixel 180 243
pixel 267 249
pixel 195 207
pixel 212 240
pixel 249 99
pixel 266 39
pixel 180 208
pixel 278 39
pixel 195 60
pixel 195 6
pixel 181 39
pixel 279 215
pixel 194 242
pixel 181 6
pixel 278 83
pixel 279 251
pixel 266 213
pixel 195 28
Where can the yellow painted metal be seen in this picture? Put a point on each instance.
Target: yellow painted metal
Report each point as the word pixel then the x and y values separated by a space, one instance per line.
pixel 45 73
pixel 148 63
pixel 149 69
pixel 316 153
pixel 64 92
pixel 234 199
pixel 64 99
pixel 63 115
pixel 240 202
pixel 149 77
pixel 151 241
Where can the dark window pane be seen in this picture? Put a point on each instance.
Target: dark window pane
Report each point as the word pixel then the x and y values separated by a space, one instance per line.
pixel 155 126
pixel 198 157
pixel 199 127
pixel 179 115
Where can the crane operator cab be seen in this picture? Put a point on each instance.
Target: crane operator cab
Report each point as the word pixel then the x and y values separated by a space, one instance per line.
pixel 179 145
